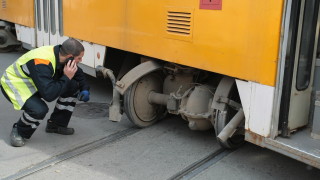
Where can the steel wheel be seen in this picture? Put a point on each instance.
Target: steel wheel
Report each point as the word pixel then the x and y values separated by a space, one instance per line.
pixel 222 119
pixel 233 142
pixel 136 105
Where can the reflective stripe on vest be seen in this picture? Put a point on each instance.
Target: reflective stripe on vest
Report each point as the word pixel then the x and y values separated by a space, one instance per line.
pixel 18 86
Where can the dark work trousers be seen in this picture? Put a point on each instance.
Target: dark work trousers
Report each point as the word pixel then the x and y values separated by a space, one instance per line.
pixel 35 110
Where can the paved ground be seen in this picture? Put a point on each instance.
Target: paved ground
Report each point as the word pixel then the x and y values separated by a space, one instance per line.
pixel 158 152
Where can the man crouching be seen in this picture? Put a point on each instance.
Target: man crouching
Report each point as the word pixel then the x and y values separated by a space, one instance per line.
pixel 47 73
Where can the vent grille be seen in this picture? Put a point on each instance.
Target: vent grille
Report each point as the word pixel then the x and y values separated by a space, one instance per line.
pixel 4 4
pixel 179 23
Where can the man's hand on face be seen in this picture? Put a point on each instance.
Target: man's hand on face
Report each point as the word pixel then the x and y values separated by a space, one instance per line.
pixel 70 69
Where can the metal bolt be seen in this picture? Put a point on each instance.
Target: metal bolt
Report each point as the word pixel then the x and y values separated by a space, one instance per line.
pixel 120 84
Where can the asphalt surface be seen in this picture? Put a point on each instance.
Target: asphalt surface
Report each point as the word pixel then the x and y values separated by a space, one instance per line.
pixel 101 149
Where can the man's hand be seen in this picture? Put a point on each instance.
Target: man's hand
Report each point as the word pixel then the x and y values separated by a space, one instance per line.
pixel 84 96
pixel 70 69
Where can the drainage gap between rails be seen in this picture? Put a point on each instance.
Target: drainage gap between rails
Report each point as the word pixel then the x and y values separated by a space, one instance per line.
pixel 73 153
pixel 201 165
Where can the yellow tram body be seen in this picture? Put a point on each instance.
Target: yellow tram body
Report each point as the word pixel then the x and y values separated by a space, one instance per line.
pixel 234 41
pixel 18 11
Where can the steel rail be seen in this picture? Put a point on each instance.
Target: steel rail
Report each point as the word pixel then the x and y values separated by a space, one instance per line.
pixel 73 153
pixel 201 165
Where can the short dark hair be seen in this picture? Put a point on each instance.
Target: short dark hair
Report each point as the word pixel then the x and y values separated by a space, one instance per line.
pixel 71 46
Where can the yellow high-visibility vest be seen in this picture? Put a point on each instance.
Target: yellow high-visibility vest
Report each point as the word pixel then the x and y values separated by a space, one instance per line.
pixel 18 86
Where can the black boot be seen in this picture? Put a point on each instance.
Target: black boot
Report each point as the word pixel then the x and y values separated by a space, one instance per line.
pixel 15 139
pixel 53 128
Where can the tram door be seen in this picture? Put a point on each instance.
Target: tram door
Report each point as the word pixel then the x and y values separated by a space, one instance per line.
pixel 49 22
pixel 300 64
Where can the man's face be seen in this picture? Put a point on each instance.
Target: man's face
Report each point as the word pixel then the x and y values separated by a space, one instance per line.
pixel 78 59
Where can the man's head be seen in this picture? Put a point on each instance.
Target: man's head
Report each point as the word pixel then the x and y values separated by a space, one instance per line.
pixel 71 48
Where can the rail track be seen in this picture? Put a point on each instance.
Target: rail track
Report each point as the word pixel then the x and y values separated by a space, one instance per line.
pixel 73 153
pixel 201 165
pixel 187 173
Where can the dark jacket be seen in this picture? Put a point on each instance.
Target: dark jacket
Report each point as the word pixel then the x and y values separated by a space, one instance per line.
pixel 50 88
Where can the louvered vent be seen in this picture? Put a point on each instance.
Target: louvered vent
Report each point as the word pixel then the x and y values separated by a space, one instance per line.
pixel 179 23
pixel 4 4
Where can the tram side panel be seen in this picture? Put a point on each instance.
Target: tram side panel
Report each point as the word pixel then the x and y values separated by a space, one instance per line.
pixel 240 40
pixel 21 14
pixel 202 40
pixel 18 11
pixel 176 31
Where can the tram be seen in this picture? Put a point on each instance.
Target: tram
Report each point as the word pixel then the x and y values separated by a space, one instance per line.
pixel 249 69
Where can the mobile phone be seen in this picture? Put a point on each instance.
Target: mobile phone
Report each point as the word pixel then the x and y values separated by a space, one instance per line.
pixel 69 59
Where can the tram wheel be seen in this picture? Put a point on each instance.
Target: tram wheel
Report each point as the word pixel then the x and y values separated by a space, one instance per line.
pixel 136 104
pixel 223 118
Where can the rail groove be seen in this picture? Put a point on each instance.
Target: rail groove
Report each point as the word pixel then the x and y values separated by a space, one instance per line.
pixel 72 153
pixel 201 165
